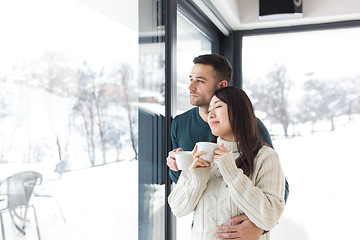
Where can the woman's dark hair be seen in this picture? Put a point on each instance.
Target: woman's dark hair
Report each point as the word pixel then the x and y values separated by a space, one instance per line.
pixel 244 126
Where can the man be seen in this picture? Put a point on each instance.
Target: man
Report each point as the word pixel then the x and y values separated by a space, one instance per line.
pixel 209 73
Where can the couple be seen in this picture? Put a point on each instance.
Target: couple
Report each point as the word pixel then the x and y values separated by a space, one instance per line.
pixel 245 184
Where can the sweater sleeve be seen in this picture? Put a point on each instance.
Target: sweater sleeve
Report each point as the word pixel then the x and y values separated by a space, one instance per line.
pixel 262 200
pixel 187 193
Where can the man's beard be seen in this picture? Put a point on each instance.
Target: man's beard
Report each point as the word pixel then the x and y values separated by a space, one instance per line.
pixel 199 101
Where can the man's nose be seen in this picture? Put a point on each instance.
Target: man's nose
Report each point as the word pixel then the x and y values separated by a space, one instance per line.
pixel 192 86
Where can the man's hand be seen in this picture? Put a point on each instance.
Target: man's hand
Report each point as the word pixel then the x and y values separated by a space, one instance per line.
pixel 170 160
pixel 244 230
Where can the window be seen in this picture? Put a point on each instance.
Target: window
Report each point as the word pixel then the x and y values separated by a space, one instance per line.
pixel 190 43
pixel 151 120
pixel 68 91
pixel 305 88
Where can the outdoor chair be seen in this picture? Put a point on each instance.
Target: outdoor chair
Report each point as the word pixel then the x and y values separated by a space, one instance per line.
pixel 19 189
pixel 49 185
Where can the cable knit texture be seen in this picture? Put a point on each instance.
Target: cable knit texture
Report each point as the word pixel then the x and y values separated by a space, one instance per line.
pixel 221 191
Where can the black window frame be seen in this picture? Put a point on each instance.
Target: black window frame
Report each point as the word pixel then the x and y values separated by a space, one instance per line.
pixel 203 23
pixel 237 37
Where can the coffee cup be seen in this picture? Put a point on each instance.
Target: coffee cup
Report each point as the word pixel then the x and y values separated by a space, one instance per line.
pixel 184 159
pixel 209 148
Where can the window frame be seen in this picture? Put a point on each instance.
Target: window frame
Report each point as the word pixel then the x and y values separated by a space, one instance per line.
pixel 203 23
pixel 228 46
pixel 238 39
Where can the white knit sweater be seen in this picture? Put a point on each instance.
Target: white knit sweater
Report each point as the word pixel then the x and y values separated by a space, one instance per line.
pixel 221 191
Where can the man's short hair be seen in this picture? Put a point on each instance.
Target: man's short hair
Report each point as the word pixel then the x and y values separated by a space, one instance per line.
pixel 221 65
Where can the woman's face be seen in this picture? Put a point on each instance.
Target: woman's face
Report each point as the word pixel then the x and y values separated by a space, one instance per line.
pixel 218 119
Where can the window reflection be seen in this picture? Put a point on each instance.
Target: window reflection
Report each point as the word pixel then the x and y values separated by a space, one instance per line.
pixel 190 43
pixel 151 120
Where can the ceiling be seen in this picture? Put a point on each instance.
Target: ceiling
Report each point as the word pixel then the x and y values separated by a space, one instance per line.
pixel 232 15
pixel 244 14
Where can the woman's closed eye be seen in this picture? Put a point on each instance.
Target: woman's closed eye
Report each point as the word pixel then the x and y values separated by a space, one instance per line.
pixel 209 111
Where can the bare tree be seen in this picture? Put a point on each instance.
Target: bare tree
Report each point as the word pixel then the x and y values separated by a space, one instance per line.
pixel 271 96
pixel 52 71
pixel 101 95
pixel 85 106
pixel 351 88
pixel 3 98
pixel 312 104
pixel 322 100
pixel 124 75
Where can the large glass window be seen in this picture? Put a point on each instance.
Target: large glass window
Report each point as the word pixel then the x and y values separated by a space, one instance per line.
pixel 191 42
pixel 305 88
pixel 151 120
pixel 68 91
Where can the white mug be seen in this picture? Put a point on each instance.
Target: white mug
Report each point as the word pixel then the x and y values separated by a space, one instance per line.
pixel 184 159
pixel 209 148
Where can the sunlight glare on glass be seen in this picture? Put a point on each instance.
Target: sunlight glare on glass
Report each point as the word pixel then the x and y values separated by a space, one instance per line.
pixel 30 28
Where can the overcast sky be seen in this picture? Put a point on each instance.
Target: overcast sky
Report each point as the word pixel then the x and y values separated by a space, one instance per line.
pixel 330 53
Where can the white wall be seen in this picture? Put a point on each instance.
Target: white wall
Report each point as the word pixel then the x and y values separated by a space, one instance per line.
pixel 115 10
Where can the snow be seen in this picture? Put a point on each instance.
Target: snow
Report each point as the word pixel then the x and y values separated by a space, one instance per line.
pixel 98 203
pixel 102 202
pixel 322 171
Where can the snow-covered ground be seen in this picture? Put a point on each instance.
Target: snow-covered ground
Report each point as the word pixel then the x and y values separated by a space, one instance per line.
pixel 322 170
pixel 98 203
pixel 323 173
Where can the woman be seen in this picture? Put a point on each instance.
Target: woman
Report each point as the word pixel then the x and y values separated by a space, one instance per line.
pixel 244 177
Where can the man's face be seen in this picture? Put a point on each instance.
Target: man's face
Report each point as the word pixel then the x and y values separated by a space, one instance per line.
pixel 202 85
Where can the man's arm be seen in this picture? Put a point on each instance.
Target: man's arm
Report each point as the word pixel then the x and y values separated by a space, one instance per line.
pixel 174 175
pixel 244 229
pixel 266 136
pixel 264 133
pixel 174 172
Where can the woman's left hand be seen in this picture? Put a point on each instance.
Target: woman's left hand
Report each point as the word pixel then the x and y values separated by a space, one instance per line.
pixel 221 151
pixel 197 161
